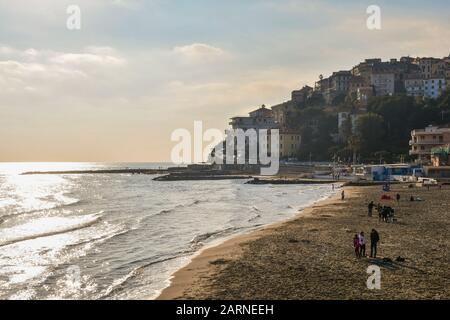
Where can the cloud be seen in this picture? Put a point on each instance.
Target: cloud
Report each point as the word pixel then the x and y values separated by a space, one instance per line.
pixel 171 62
pixel 200 52
pixel 129 4
pixel 51 76
pixel 86 58
pixel 398 36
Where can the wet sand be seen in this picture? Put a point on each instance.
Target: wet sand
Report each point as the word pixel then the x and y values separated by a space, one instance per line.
pixel 312 256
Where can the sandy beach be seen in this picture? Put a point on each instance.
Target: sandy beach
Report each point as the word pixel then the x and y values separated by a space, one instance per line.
pixel 312 255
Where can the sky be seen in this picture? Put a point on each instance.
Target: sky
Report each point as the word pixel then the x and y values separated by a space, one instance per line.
pixel 117 88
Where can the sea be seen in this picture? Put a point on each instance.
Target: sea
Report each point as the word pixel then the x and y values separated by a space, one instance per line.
pixel 121 236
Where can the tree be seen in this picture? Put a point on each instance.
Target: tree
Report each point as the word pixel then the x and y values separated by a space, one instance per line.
pixel 370 132
pixel 347 129
pixel 316 100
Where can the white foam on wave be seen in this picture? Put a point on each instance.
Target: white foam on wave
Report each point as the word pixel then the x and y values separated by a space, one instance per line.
pixel 44 227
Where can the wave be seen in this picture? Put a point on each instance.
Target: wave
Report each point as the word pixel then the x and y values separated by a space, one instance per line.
pixel 178 206
pixel 193 203
pixel 164 211
pixel 190 204
pixel 119 284
pixel 200 238
pixel 256 208
pixel 256 216
pixel 101 238
pixel 65 225
pixel 73 202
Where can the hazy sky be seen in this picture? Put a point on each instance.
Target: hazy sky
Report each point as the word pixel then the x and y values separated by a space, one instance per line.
pixel 137 70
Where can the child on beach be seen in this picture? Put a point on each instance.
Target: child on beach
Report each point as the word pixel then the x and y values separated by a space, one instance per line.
pixel 356 245
pixel 362 244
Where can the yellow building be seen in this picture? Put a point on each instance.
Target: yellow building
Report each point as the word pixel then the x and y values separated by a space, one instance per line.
pixel 289 144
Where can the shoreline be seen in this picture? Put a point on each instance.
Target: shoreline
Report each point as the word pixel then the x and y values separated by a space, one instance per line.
pixel 311 256
pixel 230 247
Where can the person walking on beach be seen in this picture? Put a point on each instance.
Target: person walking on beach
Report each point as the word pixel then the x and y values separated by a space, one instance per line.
pixel 362 244
pixel 356 245
pixel 385 213
pixel 380 213
pixel 398 197
pixel 342 195
pixel 374 238
pixel 370 208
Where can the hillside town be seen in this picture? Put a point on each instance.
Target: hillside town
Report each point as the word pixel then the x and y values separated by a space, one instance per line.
pixel 331 112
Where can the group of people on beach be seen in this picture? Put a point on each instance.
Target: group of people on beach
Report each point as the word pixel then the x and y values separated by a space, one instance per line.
pixel 359 243
pixel 385 213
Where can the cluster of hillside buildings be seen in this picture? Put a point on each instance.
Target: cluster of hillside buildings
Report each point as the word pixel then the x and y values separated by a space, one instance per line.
pixel 418 77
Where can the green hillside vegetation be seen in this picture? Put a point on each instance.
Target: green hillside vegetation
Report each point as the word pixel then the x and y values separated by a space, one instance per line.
pixel 381 134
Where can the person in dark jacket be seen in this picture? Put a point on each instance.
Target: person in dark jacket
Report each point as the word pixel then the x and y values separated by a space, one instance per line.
pixel 370 208
pixel 374 238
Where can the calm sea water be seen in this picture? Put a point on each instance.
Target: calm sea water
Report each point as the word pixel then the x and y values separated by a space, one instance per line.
pixel 115 236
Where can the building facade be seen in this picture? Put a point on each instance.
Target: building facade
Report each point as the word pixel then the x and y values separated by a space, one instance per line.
pixel 433 87
pixel 424 140
pixel 261 118
pixel 426 66
pixel 414 85
pixel 281 113
pixel 300 96
pixel 383 83
pixel 289 143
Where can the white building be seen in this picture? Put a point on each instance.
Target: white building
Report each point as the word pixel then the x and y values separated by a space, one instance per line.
pixel 261 118
pixel 434 87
